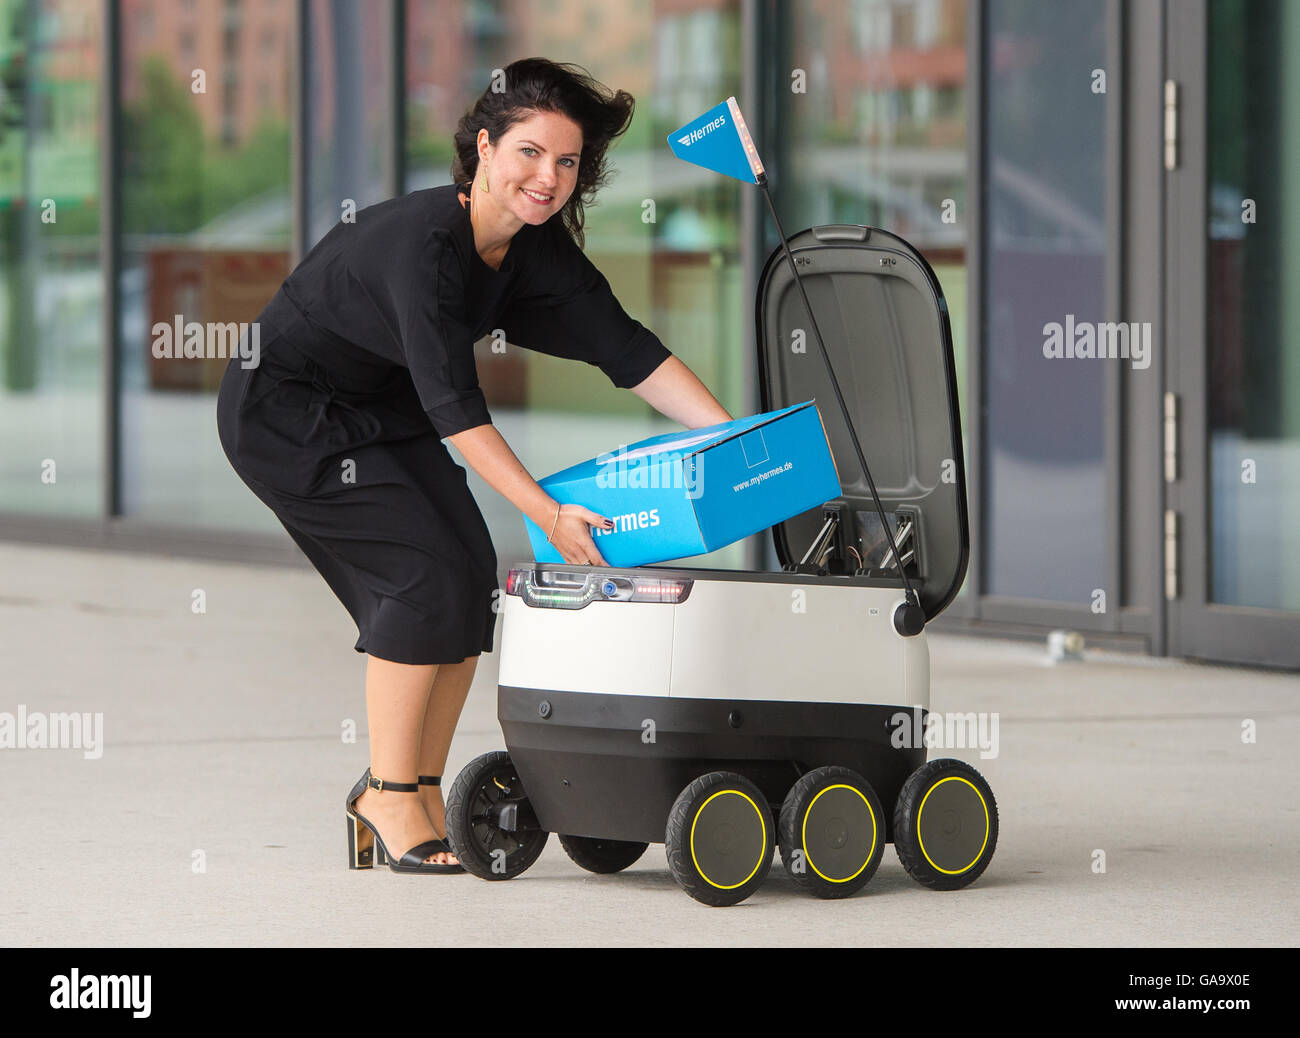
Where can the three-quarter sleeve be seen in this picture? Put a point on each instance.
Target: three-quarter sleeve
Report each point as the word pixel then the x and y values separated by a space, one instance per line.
pixel 567 309
pixel 437 342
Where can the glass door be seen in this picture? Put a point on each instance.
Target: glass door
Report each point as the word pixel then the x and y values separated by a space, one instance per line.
pixel 1232 428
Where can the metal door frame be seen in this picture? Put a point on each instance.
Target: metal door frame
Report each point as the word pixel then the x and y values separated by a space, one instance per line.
pixel 1197 626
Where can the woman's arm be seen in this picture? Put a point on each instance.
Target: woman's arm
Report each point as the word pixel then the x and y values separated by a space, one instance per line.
pixel 490 456
pixel 673 390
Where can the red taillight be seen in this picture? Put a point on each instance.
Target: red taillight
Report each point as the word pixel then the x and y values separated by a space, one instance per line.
pixel 658 590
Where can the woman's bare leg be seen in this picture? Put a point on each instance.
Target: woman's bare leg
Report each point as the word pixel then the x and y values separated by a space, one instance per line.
pixel 397 696
pixel 450 687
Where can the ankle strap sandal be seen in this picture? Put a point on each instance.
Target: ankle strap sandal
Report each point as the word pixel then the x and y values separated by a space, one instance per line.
pixel 365 845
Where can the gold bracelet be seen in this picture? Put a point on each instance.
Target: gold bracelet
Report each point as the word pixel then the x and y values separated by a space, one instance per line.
pixel 554 524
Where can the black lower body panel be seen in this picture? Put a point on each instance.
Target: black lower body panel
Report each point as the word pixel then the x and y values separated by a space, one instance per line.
pixel 610 766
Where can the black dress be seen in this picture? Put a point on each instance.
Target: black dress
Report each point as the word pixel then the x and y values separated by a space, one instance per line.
pixel 366 363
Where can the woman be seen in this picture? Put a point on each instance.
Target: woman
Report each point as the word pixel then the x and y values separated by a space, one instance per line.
pixel 367 364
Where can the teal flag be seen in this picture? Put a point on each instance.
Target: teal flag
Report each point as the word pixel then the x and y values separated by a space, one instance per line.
pixel 720 141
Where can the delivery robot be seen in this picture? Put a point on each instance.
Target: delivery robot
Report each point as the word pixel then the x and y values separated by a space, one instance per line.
pixel 725 714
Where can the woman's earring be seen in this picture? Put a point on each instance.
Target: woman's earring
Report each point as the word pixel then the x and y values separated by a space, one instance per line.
pixel 485 183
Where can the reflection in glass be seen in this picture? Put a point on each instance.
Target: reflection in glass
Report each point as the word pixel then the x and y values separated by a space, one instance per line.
pixel 205 236
pixel 348 109
pixel 1253 309
pixel 51 302
pixel 1044 526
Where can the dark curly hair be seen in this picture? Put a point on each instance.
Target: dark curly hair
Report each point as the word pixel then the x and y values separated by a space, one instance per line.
pixel 538 85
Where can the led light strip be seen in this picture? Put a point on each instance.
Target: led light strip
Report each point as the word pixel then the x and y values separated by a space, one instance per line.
pixel 751 153
pixel 523 584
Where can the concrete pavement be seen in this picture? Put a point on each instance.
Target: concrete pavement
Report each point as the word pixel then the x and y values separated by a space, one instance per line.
pixel 222 739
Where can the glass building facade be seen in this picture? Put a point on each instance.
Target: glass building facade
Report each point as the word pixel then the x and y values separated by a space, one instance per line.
pixel 177 157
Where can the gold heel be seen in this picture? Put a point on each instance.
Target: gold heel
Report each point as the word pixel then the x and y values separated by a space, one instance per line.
pixel 361 845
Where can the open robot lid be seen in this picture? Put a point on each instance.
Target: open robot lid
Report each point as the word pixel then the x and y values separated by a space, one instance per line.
pixel 885 325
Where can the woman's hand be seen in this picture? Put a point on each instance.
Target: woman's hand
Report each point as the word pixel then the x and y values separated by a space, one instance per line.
pixel 572 537
pixel 491 457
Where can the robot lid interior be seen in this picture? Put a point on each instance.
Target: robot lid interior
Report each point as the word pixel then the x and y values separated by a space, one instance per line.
pixel 885 325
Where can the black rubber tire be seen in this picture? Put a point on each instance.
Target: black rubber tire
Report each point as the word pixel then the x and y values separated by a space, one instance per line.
pixel 602 856
pixel 476 841
pixel 955 839
pixel 864 823
pixel 753 831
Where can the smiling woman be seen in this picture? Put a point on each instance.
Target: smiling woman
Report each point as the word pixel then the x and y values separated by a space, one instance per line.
pixel 530 187
pixel 547 135
pixel 368 365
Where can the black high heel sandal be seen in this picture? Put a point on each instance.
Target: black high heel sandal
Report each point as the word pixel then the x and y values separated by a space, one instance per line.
pixel 445 845
pixel 366 847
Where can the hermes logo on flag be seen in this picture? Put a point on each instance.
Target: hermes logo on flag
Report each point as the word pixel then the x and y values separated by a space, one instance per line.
pixel 696 134
pixel 722 143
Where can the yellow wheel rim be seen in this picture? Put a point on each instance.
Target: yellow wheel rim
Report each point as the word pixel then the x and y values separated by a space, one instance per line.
pixel 803 834
pixel 762 828
pixel 921 842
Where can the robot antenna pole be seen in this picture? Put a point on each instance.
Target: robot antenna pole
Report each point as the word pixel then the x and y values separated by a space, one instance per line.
pixel 835 384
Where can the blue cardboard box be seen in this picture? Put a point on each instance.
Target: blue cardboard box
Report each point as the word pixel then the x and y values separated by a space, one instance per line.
pixel 687 493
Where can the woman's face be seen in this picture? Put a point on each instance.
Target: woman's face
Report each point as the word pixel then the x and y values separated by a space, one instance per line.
pixel 538 155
